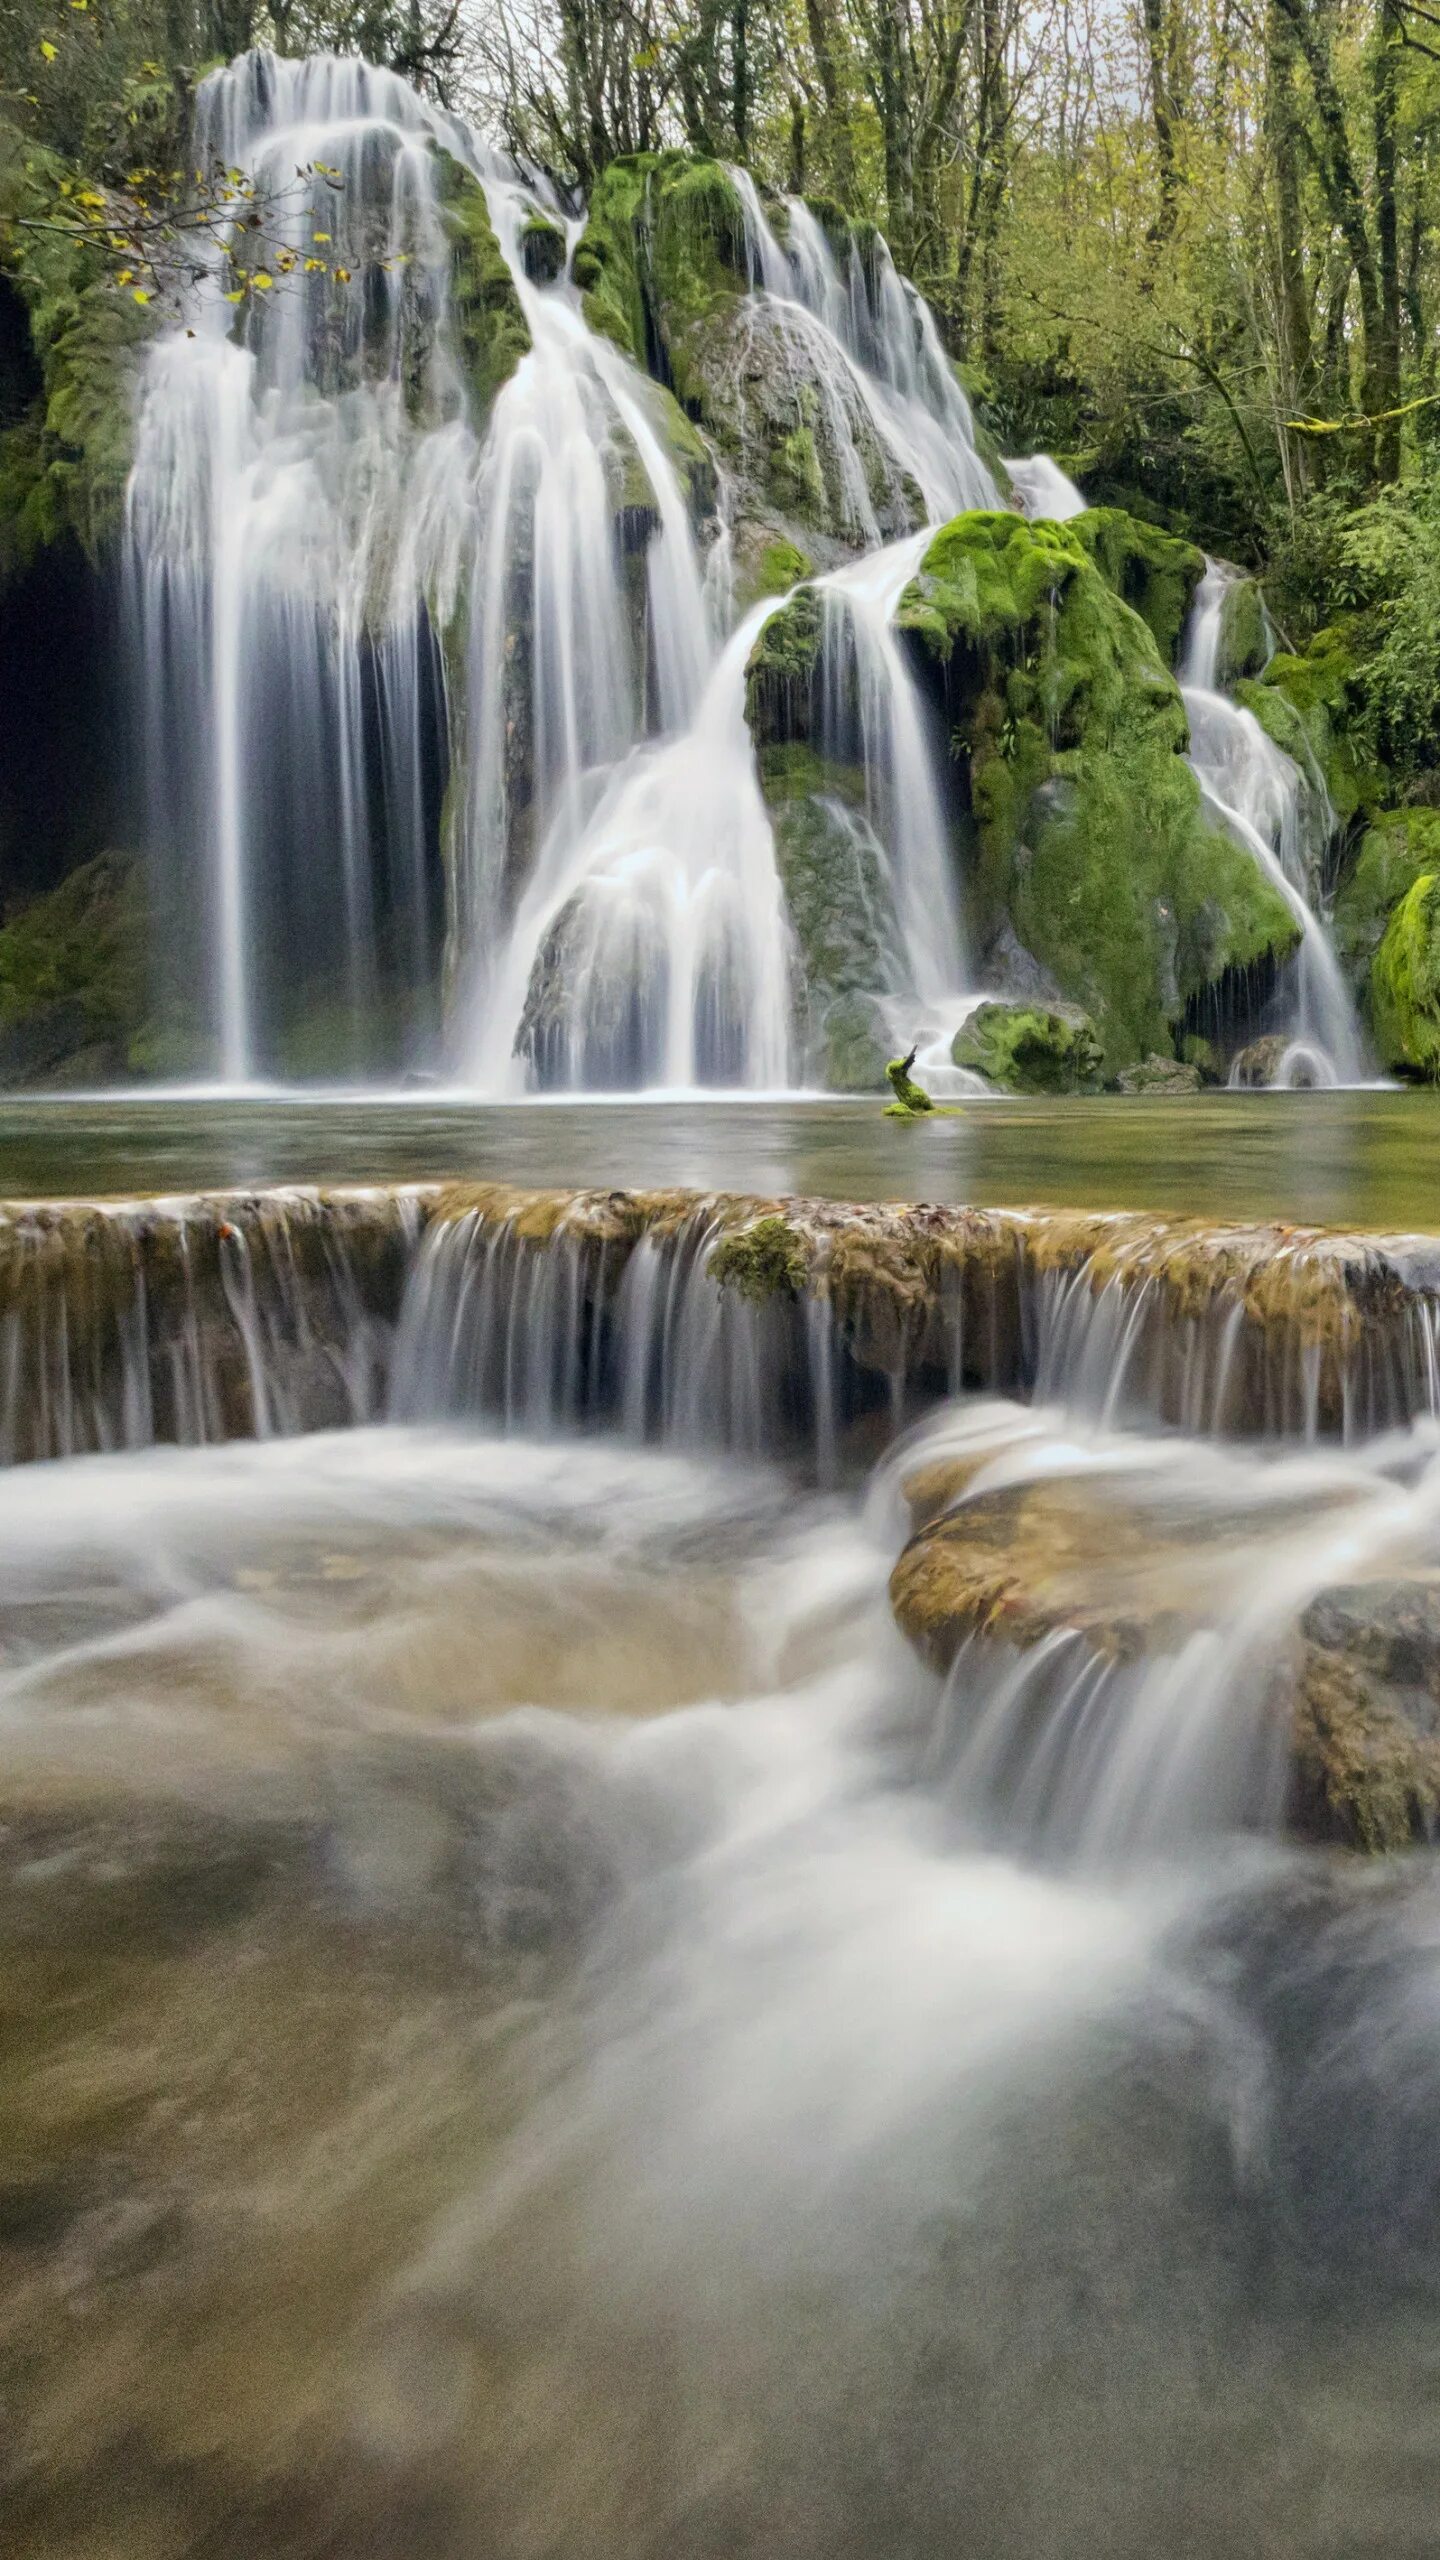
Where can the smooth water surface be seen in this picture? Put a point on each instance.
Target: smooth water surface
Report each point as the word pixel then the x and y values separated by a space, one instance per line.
pixel 1367 1158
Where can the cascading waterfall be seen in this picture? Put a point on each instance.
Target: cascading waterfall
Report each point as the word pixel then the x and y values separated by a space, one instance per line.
pixel 1285 820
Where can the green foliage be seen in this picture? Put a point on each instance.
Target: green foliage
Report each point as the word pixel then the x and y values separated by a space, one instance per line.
pixel 1396 848
pixel 911 1099
pixel 1029 1049
pixel 1405 983
pixel 73 966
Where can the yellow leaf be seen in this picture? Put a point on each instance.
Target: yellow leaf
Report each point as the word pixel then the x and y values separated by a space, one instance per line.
pixel 321 235
pixel 126 276
pixel 237 296
pixel 140 294
pixel 88 196
pixel 47 49
pixel 314 266
pixel 342 275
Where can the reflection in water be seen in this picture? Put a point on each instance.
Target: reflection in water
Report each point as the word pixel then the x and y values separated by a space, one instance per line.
pixel 515 2044
pixel 1359 1158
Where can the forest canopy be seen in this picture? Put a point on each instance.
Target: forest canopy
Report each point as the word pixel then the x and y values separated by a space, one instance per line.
pixel 1189 246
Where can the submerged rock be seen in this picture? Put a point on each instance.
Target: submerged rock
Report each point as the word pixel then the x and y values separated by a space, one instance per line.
pixel 1024 1050
pixel 1133 1570
pixel 1161 1076
pixel 1259 1063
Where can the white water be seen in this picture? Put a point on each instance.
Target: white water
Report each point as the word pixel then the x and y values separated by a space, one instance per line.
pixel 1044 490
pixel 1285 820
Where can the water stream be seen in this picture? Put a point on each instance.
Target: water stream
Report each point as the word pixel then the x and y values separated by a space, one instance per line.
pixel 1284 818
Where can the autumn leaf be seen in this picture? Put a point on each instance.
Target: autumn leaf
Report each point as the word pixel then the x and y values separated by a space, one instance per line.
pixel 261 280
pixel 47 49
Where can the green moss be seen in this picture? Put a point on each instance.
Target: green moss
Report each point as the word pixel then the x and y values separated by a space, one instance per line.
pixel 796 481
pixel 1091 836
pixel 542 248
pixel 1154 572
pixel 1405 983
pixel 781 565
pixel 911 1099
pixel 663 246
pixel 491 332
pixel 73 970
pixel 1318 685
pixel 764 1260
pixel 1029 1049
pixel 1395 849
pixel 780 671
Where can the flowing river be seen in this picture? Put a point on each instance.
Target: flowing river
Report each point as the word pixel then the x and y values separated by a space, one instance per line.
pixel 719 1928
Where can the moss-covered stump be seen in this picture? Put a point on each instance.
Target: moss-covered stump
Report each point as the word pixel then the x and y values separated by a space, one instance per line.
pixel 1405 983
pixel 1093 848
pixel 1024 1049
pixel 74 989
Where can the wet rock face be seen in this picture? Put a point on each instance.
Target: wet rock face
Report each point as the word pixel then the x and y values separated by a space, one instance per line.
pixel 1132 1568
pixel 1160 1076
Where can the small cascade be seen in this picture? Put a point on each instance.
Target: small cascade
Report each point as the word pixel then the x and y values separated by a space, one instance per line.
pixel 1043 489
pixel 1283 818
pixel 245 1316
pixel 754 1325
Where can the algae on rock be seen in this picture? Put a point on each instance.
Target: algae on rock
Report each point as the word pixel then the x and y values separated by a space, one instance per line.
pixel 1025 1049
pixel 1092 844
pixel 1405 983
pixel 490 328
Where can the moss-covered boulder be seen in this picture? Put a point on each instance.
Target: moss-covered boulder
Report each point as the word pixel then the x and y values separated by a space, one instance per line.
pixel 490 330
pixel 1397 846
pixel 1025 1049
pixel 1154 572
pixel 1247 640
pixel 1092 847
pixel 73 980
pixel 1405 984
pixel 1161 1076
pixel 847 947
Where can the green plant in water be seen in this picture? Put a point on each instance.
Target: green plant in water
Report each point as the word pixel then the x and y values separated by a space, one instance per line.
pixel 766 1260
pixel 910 1098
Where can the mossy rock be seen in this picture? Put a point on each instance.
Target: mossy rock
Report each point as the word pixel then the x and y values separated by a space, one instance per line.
pixel 1161 1076
pixel 1091 837
pixel 770 564
pixel 73 978
pixel 781 670
pixel 1154 572
pixel 837 893
pixel 764 1260
pixel 490 329
pixel 664 270
pixel 1246 639
pixel 542 249
pixel 1024 1049
pixel 1316 686
pixel 1405 984
pixel 1396 848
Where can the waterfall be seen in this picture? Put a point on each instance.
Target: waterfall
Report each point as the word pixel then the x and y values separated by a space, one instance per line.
pixel 1285 820
pixel 1043 488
